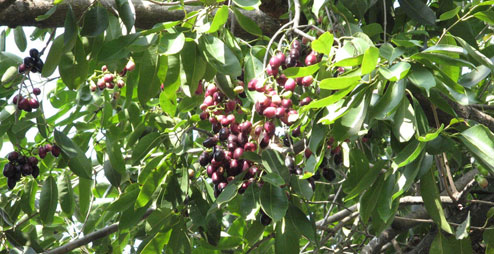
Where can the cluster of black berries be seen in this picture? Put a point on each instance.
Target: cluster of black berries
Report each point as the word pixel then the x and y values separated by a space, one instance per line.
pixel 32 63
pixel 108 80
pixel 27 104
pixel 54 149
pixel 18 166
pixel 223 157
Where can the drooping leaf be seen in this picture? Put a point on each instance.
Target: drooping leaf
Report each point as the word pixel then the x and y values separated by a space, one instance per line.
pixel 126 12
pixel 20 38
pixel 95 22
pixel 430 195
pixel 480 142
pixel 48 200
pixel 422 78
pixel 219 19
pixel 418 11
pixel 287 239
pixel 66 195
pixel 371 58
pixel 77 160
pixel 246 23
pixel 273 201
pixel 219 55
pixel 323 44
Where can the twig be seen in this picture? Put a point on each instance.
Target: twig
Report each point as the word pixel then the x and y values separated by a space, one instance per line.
pixel 202 131
pixel 91 237
pixel 272 40
pixel 52 35
pixel 338 216
pixel 258 243
pixel 296 20
pixel 482 106
pixel 385 19
pixel 431 221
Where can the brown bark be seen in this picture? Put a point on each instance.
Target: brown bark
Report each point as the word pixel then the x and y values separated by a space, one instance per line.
pixel 24 13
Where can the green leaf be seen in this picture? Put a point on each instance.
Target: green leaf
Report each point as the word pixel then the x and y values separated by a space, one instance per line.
pixel 168 98
pixel 48 200
pixel 115 155
pixel 117 49
pixel 273 179
pixel 220 56
pixel 95 22
pixel 317 5
pixel 338 83
pixel 84 192
pixel 422 78
pixel 171 43
pixel 450 14
pixel 409 173
pixel 28 197
pixel 157 244
pixel 389 52
pixel 486 16
pixel 126 12
pixel 369 199
pixel 54 56
pixel 74 66
pixel 286 240
pixel 126 200
pixel 323 44
pixel 430 195
pixel 150 184
pixel 219 19
pixel 479 140
pixel 361 176
pixel 418 11
pixel 441 245
pixel 47 14
pixel 404 121
pixel 77 160
pixel 248 4
pixel 70 29
pixel 20 38
pixel 337 96
pixel 352 61
pixel 66 195
pixel 273 163
pixel 301 187
pixel 298 220
pixel 431 136
pixel 371 58
pixel 463 229
pixel 474 77
pixel 149 83
pixel 273 201
pixel 246 23
pixel 475 54
pixel 145 145
pixel 396 72
pixel 408 154
pixel 295 72
pixel 351 123
pixel 390 100
pixel 113 176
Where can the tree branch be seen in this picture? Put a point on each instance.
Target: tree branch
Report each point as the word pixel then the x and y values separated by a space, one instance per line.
pixel 24 13
pixel 90 237
pixel 471 112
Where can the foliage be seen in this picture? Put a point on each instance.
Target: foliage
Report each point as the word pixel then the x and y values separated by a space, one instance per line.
pixel 374 116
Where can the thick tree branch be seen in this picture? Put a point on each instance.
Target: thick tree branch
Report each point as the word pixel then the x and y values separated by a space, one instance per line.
pixel 24 13
pixel 400 225
pixel 90 237
pixel 471 112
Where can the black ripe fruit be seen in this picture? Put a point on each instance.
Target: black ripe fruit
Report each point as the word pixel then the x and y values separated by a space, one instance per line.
pixel 204 158
pixel 328 174
pixel 34 53
pixel 210 142
pixel 224 133
pixel 265 219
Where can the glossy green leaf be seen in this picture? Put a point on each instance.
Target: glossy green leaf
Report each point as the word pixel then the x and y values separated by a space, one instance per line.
pixel 338 83
pixel 295 72
pixel 273 201
pixel 404 121
pixel 77 160
pixel 150 184
pixel 248 4
pixel 422 78
pixel 126 12
pixel 299 221
pixel 323 44
pixel 301 187
pixel 84 193
pixel 273 179
pixel 149 83
pixel 486 16
pixel 220 56
pixel 171 43
pixel 20 38
pixel 220 18
pixel 54 56
pixel 246 23
pixel 95 22
pixel 408 154
pixel 396 72
pixel 115 155
pixel 273 163
pixel 371 58
pixel 389 52
pixel 70 29
pixel 337 96
pixel 287 239
pixel 157 244
pixel 28 197
pixel 351 123
pixel 369 199
pixel 431 136
pixel 463 229
pixel 474 77
pixel 475 54
pixel 418 11
pixel 194 67
pixel 408 174
pixel 145 145
pixel 390 100
pixel 74 66
pixel 66 195
pixel 441 245
pixel 48 200
pixel 450 14
pixel 113 176
pixel 126 199
pixel 47 14
pixel 430 195
pixel 479 140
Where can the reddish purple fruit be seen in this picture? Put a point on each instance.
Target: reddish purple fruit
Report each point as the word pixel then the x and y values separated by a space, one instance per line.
pixel 307 152
pixel 296 132
pixel 216 177
pixel 13 156
pixel 130 66
pixel 252 84
pixel 36 91
pixel 290 84
pixel 108 77
pixel 269 112
pixel 305 101
pixel 245 127
pixel 33 103
pixel 239 151
pixel 269 127
pixel 271 71
pixel 307 81
pixel 286 103
pixel 22 68
pixel 311 59
pixel 250 147
pixel 55 150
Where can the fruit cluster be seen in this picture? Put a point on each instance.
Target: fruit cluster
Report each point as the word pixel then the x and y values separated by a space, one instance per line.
pixel 54 149
pixel 31 63
pixel 108 80
pixel 27 104
pixel 18 166
pixel 223 157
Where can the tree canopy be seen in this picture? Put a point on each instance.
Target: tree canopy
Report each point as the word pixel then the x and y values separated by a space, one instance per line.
pixel 247 126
